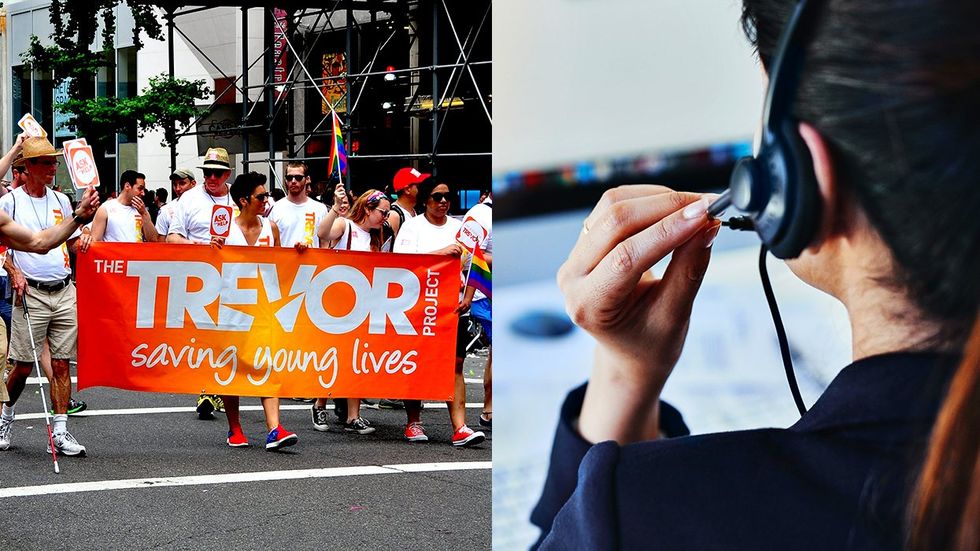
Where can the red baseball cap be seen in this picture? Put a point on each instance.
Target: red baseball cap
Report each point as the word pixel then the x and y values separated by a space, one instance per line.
pixel 406 177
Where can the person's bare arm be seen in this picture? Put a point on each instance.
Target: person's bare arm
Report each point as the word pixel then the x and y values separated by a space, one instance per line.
pixel 466 301
pixel 149 230
pixel 332 227
pixel 8 158
pixel 177 238
pixel 99 224
pixel 17 280
pixel 394 221
pixel 275 233
pixel 22 238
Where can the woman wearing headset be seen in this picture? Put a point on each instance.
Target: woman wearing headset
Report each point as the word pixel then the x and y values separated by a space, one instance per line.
pixel 887 104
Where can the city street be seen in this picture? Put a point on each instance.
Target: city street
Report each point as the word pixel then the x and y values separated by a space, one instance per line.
pixel 156 477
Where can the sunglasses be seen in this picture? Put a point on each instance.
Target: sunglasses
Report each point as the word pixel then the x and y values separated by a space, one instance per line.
pixel 384 212
pixel 209 172
pixel 440 197
pixel 296 177
pixel 262 196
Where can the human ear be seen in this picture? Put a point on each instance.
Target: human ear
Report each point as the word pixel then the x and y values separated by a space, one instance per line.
pixel 826 177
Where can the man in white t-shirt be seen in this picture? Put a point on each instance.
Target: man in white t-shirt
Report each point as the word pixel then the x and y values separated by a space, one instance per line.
pixel 191 220
pixel 191 223
pixel 182 180
pixel 36 218
pixel 298 216
pixel 125 218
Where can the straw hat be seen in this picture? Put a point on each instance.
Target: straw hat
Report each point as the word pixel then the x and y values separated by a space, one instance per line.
pixel 216 157
pixel 19 161
pixel 39 147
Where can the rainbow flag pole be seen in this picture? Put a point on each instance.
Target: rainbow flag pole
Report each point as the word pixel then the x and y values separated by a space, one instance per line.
pixel 338 153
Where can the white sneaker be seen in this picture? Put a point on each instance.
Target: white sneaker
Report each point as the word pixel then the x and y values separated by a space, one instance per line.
pixel 5 433
pixel 66 444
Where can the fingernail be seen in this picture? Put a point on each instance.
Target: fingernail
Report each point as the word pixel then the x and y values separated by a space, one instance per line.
pixel 710 235
pixel 696 209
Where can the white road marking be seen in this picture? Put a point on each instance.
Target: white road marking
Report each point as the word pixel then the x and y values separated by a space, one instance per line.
pixel 33 380
pixel 232 478
pixel 191 409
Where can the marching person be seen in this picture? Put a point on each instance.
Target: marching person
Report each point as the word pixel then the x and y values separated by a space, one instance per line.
pixel 190 222
pixel 406 185
pixel 182 180
pixel 36 219
pixel 361 232
pixel 251 229
pixel 297 216
pixel 434 232
pixel 124 219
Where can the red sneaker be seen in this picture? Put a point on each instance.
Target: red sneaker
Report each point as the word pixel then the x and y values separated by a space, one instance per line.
pixel 280 438
pixel 236 438
pixel 466 436
pixel 414 433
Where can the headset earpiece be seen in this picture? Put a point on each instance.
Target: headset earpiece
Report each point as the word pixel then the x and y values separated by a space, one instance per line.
pixel 777 187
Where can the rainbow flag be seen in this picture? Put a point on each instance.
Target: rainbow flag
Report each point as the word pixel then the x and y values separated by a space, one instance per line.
pixel 480 278
pixel 338 155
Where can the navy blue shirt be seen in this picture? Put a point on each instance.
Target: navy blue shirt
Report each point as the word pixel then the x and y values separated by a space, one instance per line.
pixel 837 479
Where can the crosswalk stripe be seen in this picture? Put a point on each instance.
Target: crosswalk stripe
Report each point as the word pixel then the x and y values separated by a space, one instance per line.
pixel 232 478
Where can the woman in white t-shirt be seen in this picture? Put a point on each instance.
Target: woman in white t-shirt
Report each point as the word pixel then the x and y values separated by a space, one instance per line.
pixel 251 229
pixel 361 231
pixel 434 232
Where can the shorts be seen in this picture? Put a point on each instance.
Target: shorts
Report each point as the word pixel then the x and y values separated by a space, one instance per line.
pixel 53 316
pixel 463 337
pixel 482 312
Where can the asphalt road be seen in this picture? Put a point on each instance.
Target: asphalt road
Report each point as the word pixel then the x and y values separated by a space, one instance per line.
pixel 331 490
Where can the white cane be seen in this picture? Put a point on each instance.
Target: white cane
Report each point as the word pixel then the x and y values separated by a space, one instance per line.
pixel 44 402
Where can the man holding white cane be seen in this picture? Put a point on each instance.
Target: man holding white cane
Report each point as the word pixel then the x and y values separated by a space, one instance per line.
pixel 44 221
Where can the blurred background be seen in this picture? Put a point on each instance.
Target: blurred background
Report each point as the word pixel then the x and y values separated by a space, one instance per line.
pixel 589 95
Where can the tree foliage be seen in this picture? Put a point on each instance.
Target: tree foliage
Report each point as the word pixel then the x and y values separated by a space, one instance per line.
pixel 166 103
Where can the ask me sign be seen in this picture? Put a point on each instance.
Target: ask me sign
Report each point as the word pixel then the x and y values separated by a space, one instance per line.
pixel 263 321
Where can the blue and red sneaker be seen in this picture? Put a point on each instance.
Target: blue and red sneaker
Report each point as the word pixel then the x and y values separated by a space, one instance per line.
pixel 280 438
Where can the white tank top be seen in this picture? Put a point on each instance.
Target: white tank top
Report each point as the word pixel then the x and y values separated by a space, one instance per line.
pixel 354 239
pixel 123 223
pixel 236 237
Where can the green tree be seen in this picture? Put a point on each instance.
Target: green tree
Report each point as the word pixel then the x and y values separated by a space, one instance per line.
pixel 167 104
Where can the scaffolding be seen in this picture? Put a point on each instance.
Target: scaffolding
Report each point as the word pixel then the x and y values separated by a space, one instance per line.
pixel 292 35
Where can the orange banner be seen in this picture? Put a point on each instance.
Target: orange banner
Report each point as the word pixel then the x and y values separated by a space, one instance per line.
pixel 263 321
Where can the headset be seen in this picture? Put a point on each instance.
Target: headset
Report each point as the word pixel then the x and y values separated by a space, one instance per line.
pixel 776 188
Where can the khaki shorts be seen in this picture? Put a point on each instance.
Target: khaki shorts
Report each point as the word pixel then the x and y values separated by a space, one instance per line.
pixel 53 316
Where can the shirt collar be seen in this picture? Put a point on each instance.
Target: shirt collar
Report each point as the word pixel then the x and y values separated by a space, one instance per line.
pixel 891 387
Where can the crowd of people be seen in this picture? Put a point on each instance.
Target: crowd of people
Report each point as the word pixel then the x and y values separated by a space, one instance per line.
pixel 35 221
